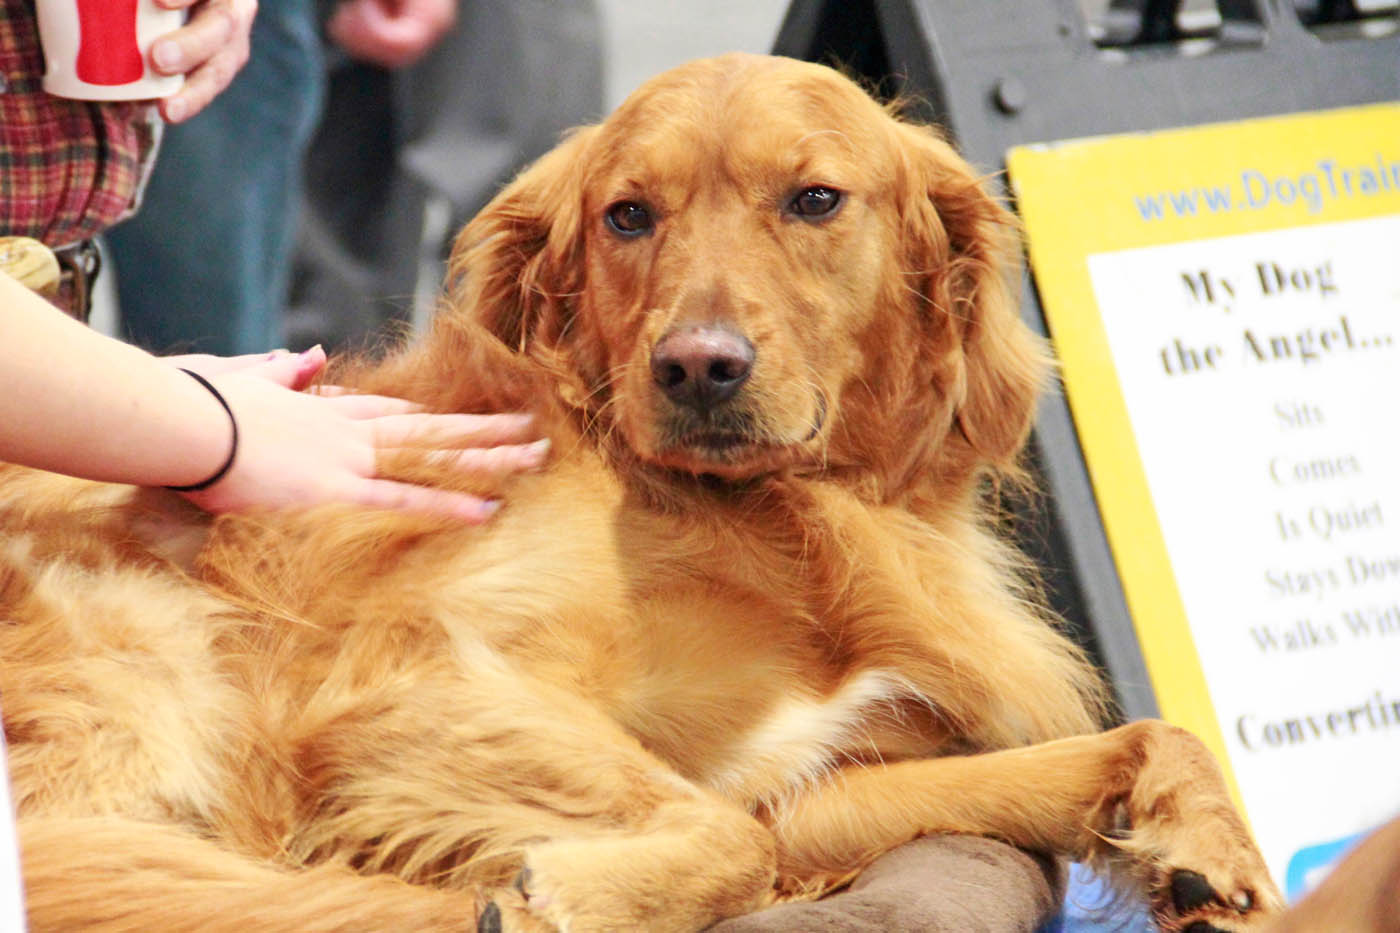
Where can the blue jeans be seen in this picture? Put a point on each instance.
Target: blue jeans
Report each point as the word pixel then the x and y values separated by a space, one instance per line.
pixel 204 264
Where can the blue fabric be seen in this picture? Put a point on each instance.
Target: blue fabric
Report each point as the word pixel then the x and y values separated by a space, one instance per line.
pixel 204 264
pixel 1092 907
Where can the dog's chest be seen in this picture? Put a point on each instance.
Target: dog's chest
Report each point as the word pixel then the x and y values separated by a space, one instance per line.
pixel 773 742
pixel 801 738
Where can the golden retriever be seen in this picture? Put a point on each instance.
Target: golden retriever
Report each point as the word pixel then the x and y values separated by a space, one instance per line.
pixel 752 628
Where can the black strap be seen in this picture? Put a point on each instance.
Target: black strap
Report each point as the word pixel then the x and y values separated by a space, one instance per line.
pixel 233 448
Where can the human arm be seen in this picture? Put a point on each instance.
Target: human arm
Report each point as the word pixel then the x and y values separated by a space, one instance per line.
pixel 391 33
pixel 208 50
pixel 79 403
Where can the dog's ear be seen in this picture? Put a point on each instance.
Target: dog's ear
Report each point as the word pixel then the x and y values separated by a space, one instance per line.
pixel 516 266
pixel 965 248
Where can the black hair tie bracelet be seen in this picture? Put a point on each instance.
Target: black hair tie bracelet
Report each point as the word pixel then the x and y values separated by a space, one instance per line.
pixel 233 448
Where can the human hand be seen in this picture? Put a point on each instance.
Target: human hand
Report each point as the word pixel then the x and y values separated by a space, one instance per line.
pixel 299 449
pixel 208 50
pixel 391 33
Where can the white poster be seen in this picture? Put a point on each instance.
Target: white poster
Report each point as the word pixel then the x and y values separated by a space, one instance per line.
pixel 1262 377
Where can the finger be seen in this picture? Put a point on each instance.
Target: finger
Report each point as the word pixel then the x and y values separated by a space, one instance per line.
pixel 363 407
pixel 498 461
pixel 404 497
pixel 334 391
pixel 312 362
pixel 206 364
pixel 424 430
pixel 202 85
pixel 288 370
pixel 209 30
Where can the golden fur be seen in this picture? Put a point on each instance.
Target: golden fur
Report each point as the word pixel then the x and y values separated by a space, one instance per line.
pixel 702 663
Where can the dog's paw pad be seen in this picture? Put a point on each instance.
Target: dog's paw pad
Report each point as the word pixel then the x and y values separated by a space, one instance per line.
pixel 1187 902
pixel 1191 891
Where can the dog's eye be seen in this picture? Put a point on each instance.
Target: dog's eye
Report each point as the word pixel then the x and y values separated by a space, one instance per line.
pixel 816 201
pixel 629 218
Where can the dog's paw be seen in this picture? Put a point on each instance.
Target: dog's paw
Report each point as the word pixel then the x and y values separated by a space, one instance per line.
pixel 565 886
pixel 1225 889
pixel 549 899
pixel 697 863
pixel 509 911
pixel 1201 866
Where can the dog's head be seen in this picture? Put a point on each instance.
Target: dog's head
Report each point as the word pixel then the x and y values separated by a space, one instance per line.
pixel 752 266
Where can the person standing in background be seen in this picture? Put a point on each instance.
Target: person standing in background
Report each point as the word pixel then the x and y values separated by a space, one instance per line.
pixel 69 169
pixel 404 157
pixel 205 263
pixel 427 102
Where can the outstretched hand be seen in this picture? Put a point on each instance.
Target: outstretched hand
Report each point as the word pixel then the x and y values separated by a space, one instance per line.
pixel 300 448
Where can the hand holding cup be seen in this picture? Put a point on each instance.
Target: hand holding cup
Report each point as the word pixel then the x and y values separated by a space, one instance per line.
pixel 182 52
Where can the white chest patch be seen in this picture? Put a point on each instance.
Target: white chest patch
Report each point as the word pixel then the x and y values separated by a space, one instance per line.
pixel 804 737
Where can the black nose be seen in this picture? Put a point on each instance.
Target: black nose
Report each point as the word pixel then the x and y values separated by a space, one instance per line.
pixel 701 367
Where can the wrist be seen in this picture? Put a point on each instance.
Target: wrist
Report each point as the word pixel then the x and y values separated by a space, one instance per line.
pixel 227 464
pixel 196 430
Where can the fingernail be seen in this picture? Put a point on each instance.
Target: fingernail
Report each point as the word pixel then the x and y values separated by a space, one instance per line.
pixel 167 56
pixel 537 452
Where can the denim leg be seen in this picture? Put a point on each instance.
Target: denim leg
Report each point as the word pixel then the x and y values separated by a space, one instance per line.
pixel 204 264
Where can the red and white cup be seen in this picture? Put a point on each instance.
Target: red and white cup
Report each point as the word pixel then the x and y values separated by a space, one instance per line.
pixel 101 49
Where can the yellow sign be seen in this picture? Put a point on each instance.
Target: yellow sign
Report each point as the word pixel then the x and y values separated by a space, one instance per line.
pixel 1225 302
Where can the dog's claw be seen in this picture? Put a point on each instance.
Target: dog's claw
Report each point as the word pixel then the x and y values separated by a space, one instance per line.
pixel 1190 891
pixel 490 919
pixel 1243 901
pixel 522 882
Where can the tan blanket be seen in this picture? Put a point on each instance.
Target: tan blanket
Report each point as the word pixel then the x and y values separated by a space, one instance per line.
pixel 939 884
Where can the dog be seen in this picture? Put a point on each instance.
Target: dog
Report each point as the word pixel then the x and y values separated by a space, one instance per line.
pixel 754 625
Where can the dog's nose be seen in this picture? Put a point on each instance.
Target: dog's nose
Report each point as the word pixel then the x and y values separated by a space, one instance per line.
pixel 701 367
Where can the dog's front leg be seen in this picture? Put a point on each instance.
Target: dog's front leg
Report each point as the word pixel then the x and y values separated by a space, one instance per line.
pixel 1145 800
pixel 530 795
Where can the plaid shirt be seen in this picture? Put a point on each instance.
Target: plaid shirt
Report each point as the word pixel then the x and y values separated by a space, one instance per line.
pixel 68 169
